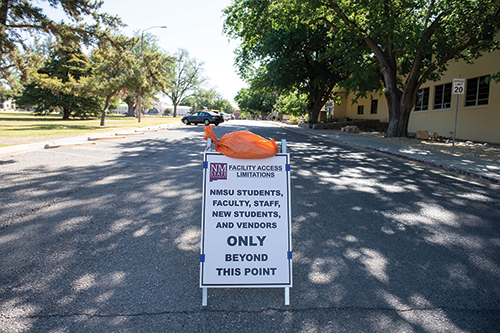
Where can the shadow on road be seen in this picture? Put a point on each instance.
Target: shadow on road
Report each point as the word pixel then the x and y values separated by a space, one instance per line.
pixel 109 241
pixel 372 233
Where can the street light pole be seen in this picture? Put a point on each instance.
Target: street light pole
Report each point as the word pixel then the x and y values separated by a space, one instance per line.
pixel 139 98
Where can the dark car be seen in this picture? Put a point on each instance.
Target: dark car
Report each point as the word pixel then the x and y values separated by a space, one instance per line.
pixel 203 117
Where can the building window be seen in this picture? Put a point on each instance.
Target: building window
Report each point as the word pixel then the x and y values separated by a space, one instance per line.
pixel 374 107
pixel 478 91
pixel 442 97
pixel 422 103
pixel 361 109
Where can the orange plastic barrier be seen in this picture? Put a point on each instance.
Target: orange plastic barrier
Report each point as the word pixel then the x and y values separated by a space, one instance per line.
pixel 242 144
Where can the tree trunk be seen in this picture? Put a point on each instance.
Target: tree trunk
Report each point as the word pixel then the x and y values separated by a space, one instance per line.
pixel 393 98
pixel 66 114
pixel 130 111
pixel 314 106
pixel 138 109
pixel 175 110
pixel 400 104
pixel 106 106
pixel 398 122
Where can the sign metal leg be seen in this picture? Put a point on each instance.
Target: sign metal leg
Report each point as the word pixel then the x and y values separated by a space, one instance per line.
pixel 287 295
pixel 209 144
pixel 205 297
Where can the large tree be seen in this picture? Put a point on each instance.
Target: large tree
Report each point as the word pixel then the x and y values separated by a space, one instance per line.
pixel 152 74
pixel 255 101
pixel 20 19
pixel 57 85
pixel 186 78
pixel 293 56
pixel 412 40
pixel 209 99
pixel 293 103
pixel 223 105
pixel 113 70
pixel 155 76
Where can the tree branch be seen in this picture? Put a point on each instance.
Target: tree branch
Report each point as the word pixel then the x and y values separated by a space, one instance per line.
pixel 326 21
pixel 7 67
pixel 435 24
pixel 450 56
pixel 428 15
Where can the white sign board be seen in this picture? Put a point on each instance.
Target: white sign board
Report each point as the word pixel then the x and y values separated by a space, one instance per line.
pixel 458 87
pixel 246 222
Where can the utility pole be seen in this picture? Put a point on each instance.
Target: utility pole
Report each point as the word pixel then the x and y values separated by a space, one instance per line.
pixel 139 98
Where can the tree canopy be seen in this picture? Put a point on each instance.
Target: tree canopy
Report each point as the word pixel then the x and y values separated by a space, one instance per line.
pixel 186 78
pixel 292 103
pixel 57 85
pixel 209 99
pixel 411 41
pixel 255 101
pixel 113 70
pixel 150 75
pixel 298 57
pixel 22 18
pixel 309 60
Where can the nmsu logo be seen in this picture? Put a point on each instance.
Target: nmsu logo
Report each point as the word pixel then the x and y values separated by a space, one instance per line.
pixel 218 171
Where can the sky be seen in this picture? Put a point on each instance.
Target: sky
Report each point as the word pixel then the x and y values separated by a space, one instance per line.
pixel 194 25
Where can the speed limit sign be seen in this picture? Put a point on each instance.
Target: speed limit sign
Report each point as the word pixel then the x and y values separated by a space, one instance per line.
pixel 458 86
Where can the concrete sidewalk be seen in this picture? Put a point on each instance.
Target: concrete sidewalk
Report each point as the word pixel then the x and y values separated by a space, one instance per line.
pixel 471 167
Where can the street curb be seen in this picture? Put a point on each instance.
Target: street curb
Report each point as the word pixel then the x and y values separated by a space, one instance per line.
pixel 146 130
pixel 48 146
pixel 106 138
pixel 129 134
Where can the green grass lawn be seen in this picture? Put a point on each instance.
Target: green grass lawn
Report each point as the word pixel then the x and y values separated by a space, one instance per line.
pixel 24 127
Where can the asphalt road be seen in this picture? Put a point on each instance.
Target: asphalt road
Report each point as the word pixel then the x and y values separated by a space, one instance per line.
pixel 106 238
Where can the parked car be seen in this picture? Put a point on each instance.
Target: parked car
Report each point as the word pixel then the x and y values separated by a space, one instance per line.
pixel 226 116
pixel 203 117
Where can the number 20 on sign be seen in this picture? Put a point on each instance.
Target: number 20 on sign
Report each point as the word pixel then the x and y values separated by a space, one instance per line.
pixel 458 87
